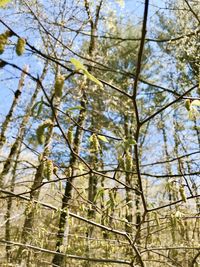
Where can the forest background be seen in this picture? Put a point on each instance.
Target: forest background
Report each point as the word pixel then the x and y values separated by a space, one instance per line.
pixel 99 137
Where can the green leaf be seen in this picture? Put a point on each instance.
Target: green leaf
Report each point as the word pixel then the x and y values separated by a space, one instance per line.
pixel 102 138
pixel 4 2
pixel 77 64
pixel 193 113
pixel 92 78
pixel 75 108
pixel 99 194
pixel 40 106
pixel 35 106
pixel 195 103
pixel 129 142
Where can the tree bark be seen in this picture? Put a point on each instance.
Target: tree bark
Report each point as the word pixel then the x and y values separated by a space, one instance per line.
pixel 9 116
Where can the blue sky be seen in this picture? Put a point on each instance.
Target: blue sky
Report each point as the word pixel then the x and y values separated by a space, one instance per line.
pixel 132 9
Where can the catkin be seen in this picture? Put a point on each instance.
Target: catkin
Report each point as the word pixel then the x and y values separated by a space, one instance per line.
pixel 70 135
pixel 182 193
pixel 94 143
pixel 20 46
pixel 40 131
pixel 59 83
pixel 121 162
pixel 173 221
pixel 40 134
pixel 129 162
pixel 8 33
pixel 49 169
pixel 3 38
pixel 55 169
pixel 3 42
pixel 112 198
pixel 157 218
pixel 187 104
pixel 2 48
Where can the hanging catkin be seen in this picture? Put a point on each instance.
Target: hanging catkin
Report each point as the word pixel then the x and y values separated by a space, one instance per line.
pixel 40 132
pixel 70 135
pixel 4 40
pixel 94 143
pixel 187 104
pixel 59 83
pixel 49 169
pixel 129 162
pixel 182 193
pixel 20 46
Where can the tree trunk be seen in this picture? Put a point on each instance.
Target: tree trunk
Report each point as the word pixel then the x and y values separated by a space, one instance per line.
pixel 8 118
pixel 58 259
pixel 9 207
pixel 21 133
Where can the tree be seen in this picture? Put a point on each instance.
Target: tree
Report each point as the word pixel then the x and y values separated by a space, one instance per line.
pixel 100 159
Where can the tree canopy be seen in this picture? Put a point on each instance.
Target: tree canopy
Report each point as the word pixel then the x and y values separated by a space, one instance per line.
pixel 99 136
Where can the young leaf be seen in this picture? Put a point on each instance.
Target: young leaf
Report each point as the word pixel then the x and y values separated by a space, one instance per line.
pixel 195 103
pixel 40 106
pixel 102 138
pixel 75 108
pixel 132 141
pixel 99 194
pixel 92 78
pixel 37 108
pixel 193 113
pixel 129 142
pixel 77 64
